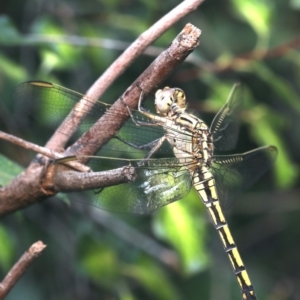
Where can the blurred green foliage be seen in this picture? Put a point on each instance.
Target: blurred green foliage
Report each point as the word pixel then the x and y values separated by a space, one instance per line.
pixel 242 40
pixel 181 226
pixel 8 170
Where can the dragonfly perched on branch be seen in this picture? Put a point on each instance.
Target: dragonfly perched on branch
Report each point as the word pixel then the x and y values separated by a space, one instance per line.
pixel 170 151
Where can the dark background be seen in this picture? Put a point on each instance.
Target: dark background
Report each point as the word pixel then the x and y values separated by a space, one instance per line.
pixel 255 42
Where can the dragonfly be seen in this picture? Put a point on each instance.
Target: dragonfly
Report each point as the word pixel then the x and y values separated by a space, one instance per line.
pixel 172 151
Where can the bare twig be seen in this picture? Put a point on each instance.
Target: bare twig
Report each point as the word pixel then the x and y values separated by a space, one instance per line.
pixel 117 68
pixel 20 268
pixel 33 184
pixel 72 181
pixel 29 146
pixel 106 127
pixel 42 150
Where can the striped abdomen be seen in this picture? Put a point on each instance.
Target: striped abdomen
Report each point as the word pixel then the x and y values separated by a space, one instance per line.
pixel 204 183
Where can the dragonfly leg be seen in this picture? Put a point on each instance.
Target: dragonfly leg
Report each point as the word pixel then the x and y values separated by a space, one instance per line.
pixel 156 146
pixel 152 146
pixel 146 113
pixel 138 122
pixel 140 107
pixel 148 146
pixel 141 110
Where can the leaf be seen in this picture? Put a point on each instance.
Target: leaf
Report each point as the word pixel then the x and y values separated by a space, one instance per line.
pixel 8 170
pixel 295 4
pixel 6 249
pixel 264 133
pixel 153 278
pixel 9 33
pixel 279 84
pixel 59 56
pixel 99 261
pixel 257 13
pixel 11 70
pixel 183 227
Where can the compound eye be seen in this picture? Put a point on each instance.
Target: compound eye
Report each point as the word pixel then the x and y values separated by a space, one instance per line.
pixel 180 98
pixel 163 100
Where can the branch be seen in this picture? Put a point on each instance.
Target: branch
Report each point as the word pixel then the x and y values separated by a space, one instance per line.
pixel 117 68
pixel 109 124
pixel 72 181
pixel 42 150
pixel 20 268
pixel 29 146
pixel 33 184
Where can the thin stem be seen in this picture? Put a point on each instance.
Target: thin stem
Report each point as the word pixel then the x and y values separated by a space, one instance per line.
pixel 41 150
pixel 37 181
pixel 20 268
pixel 118 67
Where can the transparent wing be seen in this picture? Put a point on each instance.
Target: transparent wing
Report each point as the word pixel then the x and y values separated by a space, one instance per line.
pixel 235 173
pixel 225 125
pixel 158 183
pixel 47 104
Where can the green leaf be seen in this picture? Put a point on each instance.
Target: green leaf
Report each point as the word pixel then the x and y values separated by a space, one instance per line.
pixel 11 70
pixel 56 55
pixel 257 13
pixel 6 249
pixel 183 227
pixel 265 134
pixel 279 84
pixel 295 4
pixel 9 34
pixel 153 278
pixel 8 170
pixel 99 261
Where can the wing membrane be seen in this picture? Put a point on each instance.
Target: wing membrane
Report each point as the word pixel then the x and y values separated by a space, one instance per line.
pixel 225 125
pixel 235 173
pixel 49 104
pixel 158 183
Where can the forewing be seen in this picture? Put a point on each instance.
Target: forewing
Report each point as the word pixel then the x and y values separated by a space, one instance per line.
pixel 45 106
pixel 225 125
pixel 158 183
pixel 235 173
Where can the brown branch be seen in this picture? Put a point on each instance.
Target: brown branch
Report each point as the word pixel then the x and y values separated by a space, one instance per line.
pixel 117 68
pixel 107 126
pixel 42 150
pixel 29 146
pixel 33 185
pixel 72 181
pixel 20 268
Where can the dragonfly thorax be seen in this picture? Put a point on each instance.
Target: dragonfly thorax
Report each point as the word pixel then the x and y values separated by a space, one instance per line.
pixel 191 139
pixel 170 100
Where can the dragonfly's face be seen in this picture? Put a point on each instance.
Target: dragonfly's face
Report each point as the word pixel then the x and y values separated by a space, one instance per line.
pixel 168 97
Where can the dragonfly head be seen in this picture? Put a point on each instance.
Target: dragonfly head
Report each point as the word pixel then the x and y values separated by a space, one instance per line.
pixel 167 98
